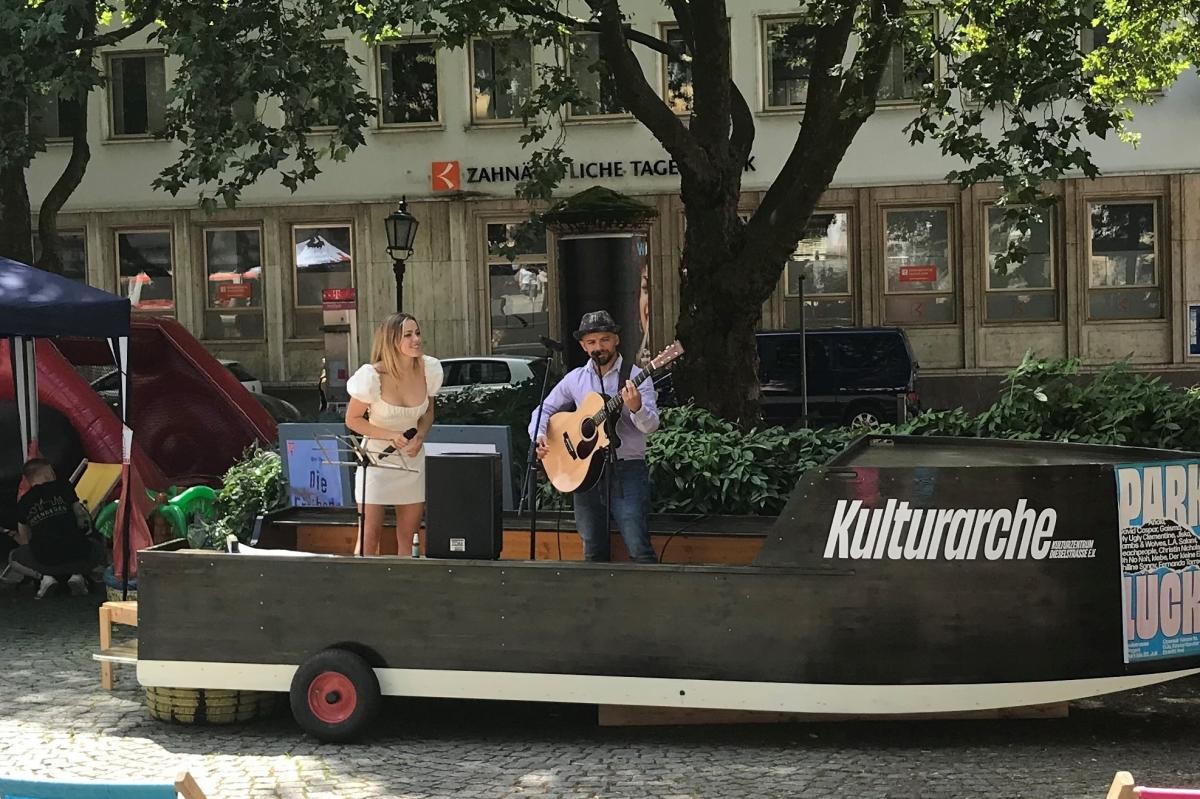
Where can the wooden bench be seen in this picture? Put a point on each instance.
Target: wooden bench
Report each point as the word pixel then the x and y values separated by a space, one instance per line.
pixel 184 785
pixel 115 613
pixel 1123 787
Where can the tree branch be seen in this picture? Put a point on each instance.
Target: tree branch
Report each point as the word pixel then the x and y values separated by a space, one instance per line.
pixel 741 140
pixel 119 35
pixel 711 74
pixel 820 118
pixel 639 96
pixel 580 24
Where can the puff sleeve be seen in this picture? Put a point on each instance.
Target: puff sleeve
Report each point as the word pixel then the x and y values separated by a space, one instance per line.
pixel 433 375
pixel 364 384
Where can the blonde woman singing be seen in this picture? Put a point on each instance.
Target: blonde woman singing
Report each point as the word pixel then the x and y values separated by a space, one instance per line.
pixel 389 397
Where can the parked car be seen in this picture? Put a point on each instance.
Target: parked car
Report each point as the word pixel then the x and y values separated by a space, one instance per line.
pixel 488 372
pixel 280 410
pixel 856 376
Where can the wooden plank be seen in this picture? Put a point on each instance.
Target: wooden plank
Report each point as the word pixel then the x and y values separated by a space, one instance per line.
pixel 118 653
pixel 338 539
pixel 632 716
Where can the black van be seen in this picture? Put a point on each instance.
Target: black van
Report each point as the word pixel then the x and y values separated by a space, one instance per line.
pixel 856 375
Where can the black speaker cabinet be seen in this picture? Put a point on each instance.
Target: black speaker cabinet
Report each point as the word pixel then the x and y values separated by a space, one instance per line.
pixel 463 501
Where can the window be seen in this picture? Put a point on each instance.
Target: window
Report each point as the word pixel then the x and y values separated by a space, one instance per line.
pixel 502 70
pixel 822 258
pixel 518 282
pixel 145 269
pixel 1124 279
pixel 1020 292
pixel 321 119
pixel 53 118
pixel 137 90
pixel 408 83
pixel 233 274
pixel 904 76
pixel 677 75
pixel 785 70
pixel 72 253
pixel 323 259
pixel 918 267
pixel 593 79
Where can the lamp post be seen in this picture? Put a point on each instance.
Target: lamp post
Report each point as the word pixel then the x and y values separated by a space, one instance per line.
pixel 401 228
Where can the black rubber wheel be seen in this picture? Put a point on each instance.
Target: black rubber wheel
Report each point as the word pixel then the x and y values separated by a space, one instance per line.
pixel 335 695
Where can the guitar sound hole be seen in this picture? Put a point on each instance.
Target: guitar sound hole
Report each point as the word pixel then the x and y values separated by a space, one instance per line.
pixel 587 429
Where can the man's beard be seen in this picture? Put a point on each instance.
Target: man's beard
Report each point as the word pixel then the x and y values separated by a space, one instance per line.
pixel 601 357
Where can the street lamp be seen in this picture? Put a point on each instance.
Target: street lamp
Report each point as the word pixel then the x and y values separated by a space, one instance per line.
pixel 401 228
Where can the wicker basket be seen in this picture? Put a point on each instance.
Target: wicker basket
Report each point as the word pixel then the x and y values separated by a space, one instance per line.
pixel 114 594
pixel 210 706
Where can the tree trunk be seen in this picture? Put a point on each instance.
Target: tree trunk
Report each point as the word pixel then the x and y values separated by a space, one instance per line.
pixel 16 229
pixel 720 309
pixel 72 175
pixel 16 233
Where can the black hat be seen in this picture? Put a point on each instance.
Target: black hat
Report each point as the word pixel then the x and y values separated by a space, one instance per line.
pixel 596 322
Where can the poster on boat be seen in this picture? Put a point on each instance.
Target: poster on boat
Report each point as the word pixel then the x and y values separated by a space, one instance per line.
pixel 1158 515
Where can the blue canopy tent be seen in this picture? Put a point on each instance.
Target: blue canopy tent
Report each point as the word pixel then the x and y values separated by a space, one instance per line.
pixel 38 304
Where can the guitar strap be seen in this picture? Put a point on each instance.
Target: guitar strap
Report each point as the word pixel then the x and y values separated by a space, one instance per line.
pixel 610 426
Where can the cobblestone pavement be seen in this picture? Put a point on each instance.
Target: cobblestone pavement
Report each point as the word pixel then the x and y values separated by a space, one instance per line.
pixel 56 721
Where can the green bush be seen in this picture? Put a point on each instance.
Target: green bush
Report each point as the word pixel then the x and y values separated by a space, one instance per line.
pixel 252 486
pixel 702 464
pixel 1050 400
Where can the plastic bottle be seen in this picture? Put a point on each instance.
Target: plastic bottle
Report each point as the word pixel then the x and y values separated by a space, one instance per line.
pixel 416 549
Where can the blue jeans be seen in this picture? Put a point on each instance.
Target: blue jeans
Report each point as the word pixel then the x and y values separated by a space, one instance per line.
pixel 630 510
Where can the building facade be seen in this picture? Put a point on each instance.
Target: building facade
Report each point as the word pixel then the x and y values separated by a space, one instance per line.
pixel 1113 269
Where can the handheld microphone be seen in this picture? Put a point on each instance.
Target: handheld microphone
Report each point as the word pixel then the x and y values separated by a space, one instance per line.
pixel 410 434
pixel 551 344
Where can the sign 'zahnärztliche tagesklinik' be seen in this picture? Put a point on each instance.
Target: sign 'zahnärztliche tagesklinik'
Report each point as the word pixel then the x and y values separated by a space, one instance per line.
pixel 580 170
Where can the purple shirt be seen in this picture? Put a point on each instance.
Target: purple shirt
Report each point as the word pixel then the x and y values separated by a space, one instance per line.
pixel 632 428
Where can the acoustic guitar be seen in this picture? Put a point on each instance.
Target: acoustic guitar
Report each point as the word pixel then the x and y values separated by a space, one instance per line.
pixel 578 440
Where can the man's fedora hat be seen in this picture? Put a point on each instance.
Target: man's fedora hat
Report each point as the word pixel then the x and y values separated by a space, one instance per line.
pixel 596 322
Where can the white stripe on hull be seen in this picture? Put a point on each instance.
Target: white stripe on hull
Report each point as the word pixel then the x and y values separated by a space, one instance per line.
pixel 664 692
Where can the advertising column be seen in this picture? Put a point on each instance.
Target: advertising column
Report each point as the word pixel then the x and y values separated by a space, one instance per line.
pixel 610 272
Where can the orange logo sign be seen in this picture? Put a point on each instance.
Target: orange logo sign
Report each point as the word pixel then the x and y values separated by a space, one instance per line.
pixel 445 176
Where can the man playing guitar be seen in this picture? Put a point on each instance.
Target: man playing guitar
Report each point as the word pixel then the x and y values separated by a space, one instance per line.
pixel 630 480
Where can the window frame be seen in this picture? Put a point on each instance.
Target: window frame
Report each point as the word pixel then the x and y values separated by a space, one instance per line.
pixel 49 140
pixel 955 265
pixel 110 97
pixel 903 102
pixel 434 124
pixel 764 81
pixel 1055 287
pixel 170 231
pixel 851 268
pixel 35 245
pixel 261 308
pixel 1155 201
pixel 471 98
pixel 571 116
pixel 294 304
pixel 545 259
pixel 664 66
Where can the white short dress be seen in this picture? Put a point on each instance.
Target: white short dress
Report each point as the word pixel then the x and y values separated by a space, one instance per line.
pixel 391 486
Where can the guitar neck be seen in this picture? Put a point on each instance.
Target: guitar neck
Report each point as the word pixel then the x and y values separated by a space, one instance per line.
pixel 614 403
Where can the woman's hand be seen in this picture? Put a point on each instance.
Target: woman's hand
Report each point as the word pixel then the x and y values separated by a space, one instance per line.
pixel 411 446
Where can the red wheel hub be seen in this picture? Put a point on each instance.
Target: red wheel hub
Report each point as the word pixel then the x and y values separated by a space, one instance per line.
pixel 331 697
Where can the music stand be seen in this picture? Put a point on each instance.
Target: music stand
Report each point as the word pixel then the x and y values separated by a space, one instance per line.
pixel 354 449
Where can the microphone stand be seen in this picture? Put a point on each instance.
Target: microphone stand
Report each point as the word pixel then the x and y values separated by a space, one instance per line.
pixel 529 490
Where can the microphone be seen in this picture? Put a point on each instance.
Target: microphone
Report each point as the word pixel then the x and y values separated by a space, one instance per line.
pixel 551 344
pixel 410 434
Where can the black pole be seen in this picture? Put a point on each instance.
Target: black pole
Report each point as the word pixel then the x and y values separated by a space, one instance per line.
pixel 398 271
pixel 529 490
